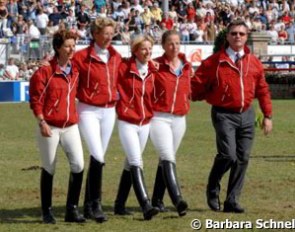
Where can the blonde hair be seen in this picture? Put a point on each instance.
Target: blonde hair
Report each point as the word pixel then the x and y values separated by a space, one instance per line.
pixel 100 23
pixel 138 40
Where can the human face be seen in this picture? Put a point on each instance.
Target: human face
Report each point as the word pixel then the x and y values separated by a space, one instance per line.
pixel 104 37
pixel 237 37
pixel 144 52
pixel 172 46
pixel 66 51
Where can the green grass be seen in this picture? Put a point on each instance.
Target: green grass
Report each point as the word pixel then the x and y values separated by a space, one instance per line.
pixel 268 192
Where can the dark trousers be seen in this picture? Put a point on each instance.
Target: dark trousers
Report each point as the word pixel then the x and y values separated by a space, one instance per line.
pixel 234 139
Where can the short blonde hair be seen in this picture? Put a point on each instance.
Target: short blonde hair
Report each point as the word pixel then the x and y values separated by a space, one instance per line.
pixel 138 40
pixel 100 23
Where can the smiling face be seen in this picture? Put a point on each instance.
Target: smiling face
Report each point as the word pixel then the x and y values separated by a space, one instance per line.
pixel 237 37
pixel 144 51
pixel 67 50
pixel 103 38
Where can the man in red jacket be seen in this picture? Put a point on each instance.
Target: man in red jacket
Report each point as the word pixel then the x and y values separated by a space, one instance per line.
pixel 229 80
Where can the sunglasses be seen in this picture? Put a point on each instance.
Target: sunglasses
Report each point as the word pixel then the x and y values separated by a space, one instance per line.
pixel 234 33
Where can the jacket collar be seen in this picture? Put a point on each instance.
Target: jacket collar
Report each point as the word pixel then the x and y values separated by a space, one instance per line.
pixel 56 68
pixel 92 52
pixel 133 67
pixel 224 55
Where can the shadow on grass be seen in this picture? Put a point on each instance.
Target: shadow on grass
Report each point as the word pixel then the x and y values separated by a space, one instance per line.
pixel 275 158
pixel 33 215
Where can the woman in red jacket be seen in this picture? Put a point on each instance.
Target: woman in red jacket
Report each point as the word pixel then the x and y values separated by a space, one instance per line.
pixel 172 84
pixel 134 109
pixel 98 67
pixel 53 90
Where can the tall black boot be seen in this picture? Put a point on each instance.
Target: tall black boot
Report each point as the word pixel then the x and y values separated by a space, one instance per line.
pixel 74 189
pixel 122 195
pixel 92 201
pixel 219 168
pixel 46 197
pixel 141 194
pixel 159 190
pixel 170 177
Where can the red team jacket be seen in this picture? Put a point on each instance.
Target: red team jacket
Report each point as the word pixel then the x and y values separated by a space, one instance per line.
pixel 221 84
pixel 52 93
pixel 98 80
pixel 172 92
pixel 136 95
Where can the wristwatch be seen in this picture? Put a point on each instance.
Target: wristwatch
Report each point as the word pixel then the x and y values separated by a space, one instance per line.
pixel 268 117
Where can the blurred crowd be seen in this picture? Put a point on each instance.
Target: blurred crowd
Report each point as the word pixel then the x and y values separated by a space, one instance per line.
pixel 29 22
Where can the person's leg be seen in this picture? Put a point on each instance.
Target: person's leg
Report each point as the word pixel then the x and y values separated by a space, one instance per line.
pixel 133 139
pixel 71 143
pixel 245 137
pixel 47 147
pixel 90 128
pixel 225 130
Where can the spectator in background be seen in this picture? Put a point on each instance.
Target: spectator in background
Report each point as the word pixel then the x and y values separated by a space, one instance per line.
pixel 12 9
pixel 167 22
pixel 125 35
pixel 11 70
pixel 41 21
pixel 190 12
pixel 55 16
pixel 34 37
pixel 156 12
pixel 3 17
pixel 147 16
pixel 137 6
pixel 274 37
pixel 21 31
pixel 184 31
pixel 283 35
pixel 83 19
pixel 99 4
pixel 291 32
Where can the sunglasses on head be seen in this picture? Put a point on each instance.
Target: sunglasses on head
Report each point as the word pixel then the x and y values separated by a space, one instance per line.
pixel 234 33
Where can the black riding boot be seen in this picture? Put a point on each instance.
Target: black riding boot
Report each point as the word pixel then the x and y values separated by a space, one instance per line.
pixel 92 201
pixel 170 177
pixel 46 197
pixel 140 191
pixel 219 167
pixel 159 190
pixel 122 195
pixel 74 189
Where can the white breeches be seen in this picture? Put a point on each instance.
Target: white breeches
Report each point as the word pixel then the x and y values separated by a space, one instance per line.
pixel 96 126
pixel 167 131
pixel 70 141
pixel 133 139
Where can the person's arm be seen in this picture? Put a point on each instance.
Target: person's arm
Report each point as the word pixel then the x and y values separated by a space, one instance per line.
pixel 37 92
pixel 263 95
pixel 199 83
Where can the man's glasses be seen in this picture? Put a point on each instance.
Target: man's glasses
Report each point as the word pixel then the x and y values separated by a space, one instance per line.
pixel 234 33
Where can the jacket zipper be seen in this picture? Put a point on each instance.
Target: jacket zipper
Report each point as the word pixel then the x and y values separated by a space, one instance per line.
pixel 174 95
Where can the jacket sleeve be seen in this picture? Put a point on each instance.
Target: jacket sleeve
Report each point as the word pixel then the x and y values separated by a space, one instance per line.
pixel 262 92
pixel 199 82
pixel 37 91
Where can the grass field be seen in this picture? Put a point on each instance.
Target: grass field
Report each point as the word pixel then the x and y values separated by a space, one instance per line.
pixel 268 192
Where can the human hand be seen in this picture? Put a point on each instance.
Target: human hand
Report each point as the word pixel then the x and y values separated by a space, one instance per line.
pixel 267 126
pixel 45 129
